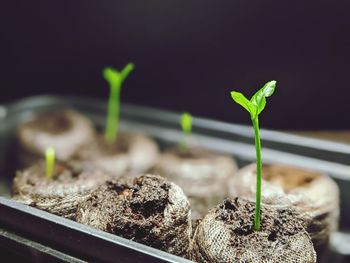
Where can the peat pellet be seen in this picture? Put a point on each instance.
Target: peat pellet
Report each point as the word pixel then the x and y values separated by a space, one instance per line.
pixel 315 195
pixel 66 131
pixel 203 176
pixel 226 234
pixel 59 195
pixel 147 209
pixel 131 153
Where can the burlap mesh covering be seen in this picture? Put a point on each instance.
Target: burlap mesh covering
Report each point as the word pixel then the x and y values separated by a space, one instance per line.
pixel 59 195
pixel 65 130
pixel 149 210
pixel 315 195
pixel 131 153
pixel 226 235
pixel 201 174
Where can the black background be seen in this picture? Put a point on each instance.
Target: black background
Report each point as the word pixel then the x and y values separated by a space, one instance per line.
pixel 188 55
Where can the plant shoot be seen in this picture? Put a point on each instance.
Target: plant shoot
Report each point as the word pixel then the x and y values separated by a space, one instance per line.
pixel 186 125
pixel 115 80
pixel 255 106
pixel 50 162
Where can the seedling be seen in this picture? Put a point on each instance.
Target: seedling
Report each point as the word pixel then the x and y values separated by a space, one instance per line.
pixel 255 106
pixel 115 79
pixel 50 162
pixel 186 125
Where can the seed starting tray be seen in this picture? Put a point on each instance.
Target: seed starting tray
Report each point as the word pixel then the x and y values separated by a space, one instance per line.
pixel 38 236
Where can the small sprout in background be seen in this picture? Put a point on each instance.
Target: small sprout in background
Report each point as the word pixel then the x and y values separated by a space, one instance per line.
pixel 186 125
pixel 255 106
pixel 115 79
pixel 50 162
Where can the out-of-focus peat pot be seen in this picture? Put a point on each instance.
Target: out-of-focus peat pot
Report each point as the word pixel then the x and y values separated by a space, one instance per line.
pixel 227 234
pixel 131 153
pixel 64 130
pixel 315 195
pixel 202 175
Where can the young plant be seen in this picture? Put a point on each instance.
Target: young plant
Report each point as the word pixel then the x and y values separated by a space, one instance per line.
pixel 50 162
pixel 255 106
pixel 186 125
pixel 115 79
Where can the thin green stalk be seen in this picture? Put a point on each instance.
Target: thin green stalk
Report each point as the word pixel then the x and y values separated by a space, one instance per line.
pixel 50 162
pixel 186 125
pixel 183 143
pixel 115 79
pixel 112 122
pixel 258 173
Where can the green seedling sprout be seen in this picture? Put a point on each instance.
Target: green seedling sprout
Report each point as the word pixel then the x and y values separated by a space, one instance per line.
pixel 186 125
pixel 115 79
pixel 50 162
pixel 255 106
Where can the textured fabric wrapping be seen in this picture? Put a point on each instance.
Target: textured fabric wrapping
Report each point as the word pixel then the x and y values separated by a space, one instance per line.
pixel 132 153
pixel 315 195
pixel 201 174
pixel 135 210
pixel 66 131
pixel 60 195
pixel 226 235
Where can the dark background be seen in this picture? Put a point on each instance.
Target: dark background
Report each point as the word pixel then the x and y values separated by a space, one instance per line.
pixel 188 55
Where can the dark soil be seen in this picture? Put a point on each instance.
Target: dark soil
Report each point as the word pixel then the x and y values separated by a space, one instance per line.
pixel 313 194
pixel 276 226
pixel 129 204
pixel 136 210
pixel 227 234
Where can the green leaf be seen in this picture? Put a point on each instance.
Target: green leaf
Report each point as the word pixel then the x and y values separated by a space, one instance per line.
pixel 112 76
pixel 259 101
pixel 115 78
pixel 259 98
pixel 126 71
pixel 269 88
pixel 240 99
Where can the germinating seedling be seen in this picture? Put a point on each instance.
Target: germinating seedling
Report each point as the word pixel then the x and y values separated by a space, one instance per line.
pixel 186 125
pixel 115 79
pixel 255 106
pixel 50 162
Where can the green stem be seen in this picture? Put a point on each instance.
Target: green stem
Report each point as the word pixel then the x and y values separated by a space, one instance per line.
pixel 258 173
pixel 183 143
pixel 186 125
pixel 50 162
pixel 113 114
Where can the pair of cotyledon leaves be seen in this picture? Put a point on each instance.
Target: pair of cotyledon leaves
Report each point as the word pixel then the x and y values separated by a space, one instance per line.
pixel 114 77
pixel 258 102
